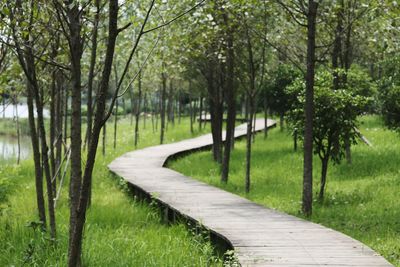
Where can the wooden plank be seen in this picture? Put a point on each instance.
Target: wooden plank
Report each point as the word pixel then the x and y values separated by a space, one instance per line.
pixel 260 236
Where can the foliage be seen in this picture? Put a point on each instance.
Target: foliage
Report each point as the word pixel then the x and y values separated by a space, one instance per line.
pixel 279 99
pixel 359 82
pixel 391 107
pixel 335 116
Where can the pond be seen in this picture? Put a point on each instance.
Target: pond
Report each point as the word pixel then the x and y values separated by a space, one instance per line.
pixel 9 148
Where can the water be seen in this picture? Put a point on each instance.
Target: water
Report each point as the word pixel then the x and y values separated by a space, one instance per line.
pixel 9 148
pixel 9 111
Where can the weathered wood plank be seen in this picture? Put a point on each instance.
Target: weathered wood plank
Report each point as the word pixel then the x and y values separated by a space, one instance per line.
pixel 260 236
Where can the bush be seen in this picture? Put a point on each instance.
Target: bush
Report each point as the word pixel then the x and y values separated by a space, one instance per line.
pixel 391 107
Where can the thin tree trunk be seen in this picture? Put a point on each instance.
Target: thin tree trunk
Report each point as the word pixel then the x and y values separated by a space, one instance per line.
pixel 163 97
pixel 115 124
pixel 157 108
pixel 138 109
pixel 347 65
pixel 104 139
pixel 281 121
pixel 195 110
pixel 91 72
pixel 116 107
pixel 4 108
pixel 132 104
pixel 66 115
pixel 230 99
pixel 265 117
pixel 75 47
pixel 216 111
pixel 36 157
pixel 200 112
pixel 309 109
pixel 170 107
pixel 248 144
pixel 18 132
pixel 53 129
pixel 324 170
pixel 179 108
pixel 144 110
pixel 251 109
pixel 152 117
pixel 254 124
pixel 59 120
pixel 191 114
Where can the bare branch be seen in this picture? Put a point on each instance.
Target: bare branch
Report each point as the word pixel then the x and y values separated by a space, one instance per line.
pixel 176 18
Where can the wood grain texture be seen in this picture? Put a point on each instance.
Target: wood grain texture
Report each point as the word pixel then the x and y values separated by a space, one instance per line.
pixel 260 236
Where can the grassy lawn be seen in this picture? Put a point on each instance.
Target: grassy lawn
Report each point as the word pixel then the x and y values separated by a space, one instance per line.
pixel 119 230
pixel 362 199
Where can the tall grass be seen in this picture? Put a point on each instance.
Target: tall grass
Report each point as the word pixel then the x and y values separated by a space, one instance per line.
pixel 362 199
pixel 119 230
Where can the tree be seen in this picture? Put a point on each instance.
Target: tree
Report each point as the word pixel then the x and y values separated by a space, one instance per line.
pixel 335 120
pixel 278 99
pixel 229 90
pixel 309 107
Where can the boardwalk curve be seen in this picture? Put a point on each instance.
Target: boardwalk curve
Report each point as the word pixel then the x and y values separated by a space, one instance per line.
pixel 259 235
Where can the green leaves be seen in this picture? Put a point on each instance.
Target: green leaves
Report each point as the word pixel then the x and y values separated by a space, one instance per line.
pixel 391 107
pixel 335 115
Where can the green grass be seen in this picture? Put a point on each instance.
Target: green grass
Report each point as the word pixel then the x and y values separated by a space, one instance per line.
pixel 362 199
pixel 119 230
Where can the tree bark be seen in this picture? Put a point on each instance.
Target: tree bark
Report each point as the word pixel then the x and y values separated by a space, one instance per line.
pixel 265 117
pixel 75 49
pixel 248 143
pixel 324 170
pixel 115 123
pixel 59 120
pixel 138 108
pixel 191 114
pixel 93 56
pixel 144 110
pixel 200 112
pixel 116 107
pixel 104 139
pixel 36 157
pixel 309 110
pixel 281 121
pixel 132 99
pixel 162 113
pixel 230 99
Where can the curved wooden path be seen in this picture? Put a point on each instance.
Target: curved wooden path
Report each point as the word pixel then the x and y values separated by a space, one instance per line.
pixel 259 235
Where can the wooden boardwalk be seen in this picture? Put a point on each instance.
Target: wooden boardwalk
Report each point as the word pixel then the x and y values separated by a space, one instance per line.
pixel 259 235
